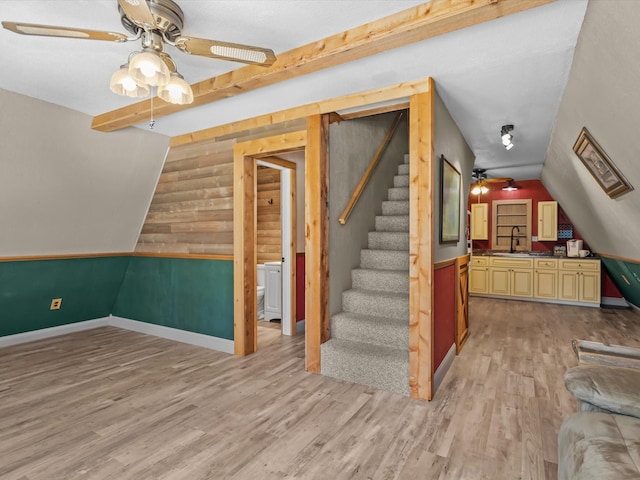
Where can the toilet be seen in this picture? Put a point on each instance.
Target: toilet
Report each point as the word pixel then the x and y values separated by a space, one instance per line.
pixel 260 291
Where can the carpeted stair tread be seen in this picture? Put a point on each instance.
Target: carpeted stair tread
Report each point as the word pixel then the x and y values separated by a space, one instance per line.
pixel 389 241
pixel 380 259
pixel 392 223
pixel 376 366
pixel 399 193
pixel 395 207
pixel 375 302
pixel 401 181
pixel 392 332
pixel 403 169
pixel 382 280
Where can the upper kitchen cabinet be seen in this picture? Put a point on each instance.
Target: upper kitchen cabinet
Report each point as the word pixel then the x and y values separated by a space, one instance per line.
pixel 511 229
pixel 480 221
pixel 547 221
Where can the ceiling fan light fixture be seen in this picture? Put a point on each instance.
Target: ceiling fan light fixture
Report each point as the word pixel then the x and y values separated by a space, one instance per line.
pixel 177 91
pixel 148 68
pixel 479 189
pixel 122 83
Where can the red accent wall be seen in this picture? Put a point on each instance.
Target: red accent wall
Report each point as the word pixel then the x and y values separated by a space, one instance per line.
pixel 444 312
pixel 300 269
pixel 535 190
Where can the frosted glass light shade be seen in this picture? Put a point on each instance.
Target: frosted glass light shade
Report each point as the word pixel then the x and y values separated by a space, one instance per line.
pixel 148 68
pixel 124 84
pixel 176 91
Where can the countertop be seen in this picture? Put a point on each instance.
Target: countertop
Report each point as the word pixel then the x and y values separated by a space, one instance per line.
pixel 532 254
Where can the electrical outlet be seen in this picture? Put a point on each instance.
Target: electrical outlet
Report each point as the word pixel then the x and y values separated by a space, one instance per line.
pixel 56 303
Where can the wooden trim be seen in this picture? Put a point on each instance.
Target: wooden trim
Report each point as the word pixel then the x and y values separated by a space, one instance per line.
pixel 399 29
pixel 281 162
pixel 316 180
pixel 245 334
pixel 462 301
pixel 188 256
pixel 421 235
pixel 245 155
pixel 327 106
pixel 616 257
pixel 293 245
pixel 369 171
pixel 64 256
pixel 444 264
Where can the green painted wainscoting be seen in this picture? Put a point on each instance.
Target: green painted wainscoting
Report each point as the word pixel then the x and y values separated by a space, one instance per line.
pixel 195 295
pixel 626 276
pixel 88 288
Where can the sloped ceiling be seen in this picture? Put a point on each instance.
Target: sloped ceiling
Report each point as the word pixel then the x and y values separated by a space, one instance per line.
pixel 509 70
pixel 602 94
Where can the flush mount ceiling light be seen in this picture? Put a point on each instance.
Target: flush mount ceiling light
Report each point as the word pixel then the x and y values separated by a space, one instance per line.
pixel 510 187
pixel 507 138
pixel 156 23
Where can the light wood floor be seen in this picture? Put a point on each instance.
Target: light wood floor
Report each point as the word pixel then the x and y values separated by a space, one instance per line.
pixel 113 404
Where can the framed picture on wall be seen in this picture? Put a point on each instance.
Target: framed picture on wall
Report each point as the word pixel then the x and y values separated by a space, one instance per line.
pixel 449 202
pixel 600 165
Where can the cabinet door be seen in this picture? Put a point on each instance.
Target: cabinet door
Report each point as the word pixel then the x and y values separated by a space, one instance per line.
pixel 479 280
pixel 479 221
pixel 547 221
pixel 521 282
pixel 499 281
pixel 545 284
pixel 589 287
pixel 273 290
pixel 568 286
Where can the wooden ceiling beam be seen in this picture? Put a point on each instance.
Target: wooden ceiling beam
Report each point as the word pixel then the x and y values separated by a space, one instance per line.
pixel 403 28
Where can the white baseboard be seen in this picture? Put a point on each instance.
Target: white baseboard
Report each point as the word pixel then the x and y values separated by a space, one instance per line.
pixel 614 302
pixel 52 332
pixel 300 326
pixel 192 338
pixel 442 370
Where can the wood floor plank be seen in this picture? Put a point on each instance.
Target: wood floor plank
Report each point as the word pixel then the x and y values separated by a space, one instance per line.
pixel 113 404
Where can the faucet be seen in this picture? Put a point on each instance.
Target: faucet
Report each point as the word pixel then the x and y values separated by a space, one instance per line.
pixel 511 247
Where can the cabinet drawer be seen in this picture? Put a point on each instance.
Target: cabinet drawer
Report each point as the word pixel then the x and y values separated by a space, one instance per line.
pixel 546 263
pixel 581 265
pixel 480 261
pixel 511 262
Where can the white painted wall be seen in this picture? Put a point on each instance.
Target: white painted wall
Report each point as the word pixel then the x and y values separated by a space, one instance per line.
pixel 602 94
pixel 65 188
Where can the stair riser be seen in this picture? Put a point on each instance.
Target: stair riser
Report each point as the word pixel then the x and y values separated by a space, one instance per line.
pixel 357 301
pixel 392 223
pixel 379 373
pixel 406 158
pixel 389 241
pixel 401 181
pixel 385 332
pixel 384 259
pixel 395 207
pixel 403 169
pixel 382 280
pixel 401 193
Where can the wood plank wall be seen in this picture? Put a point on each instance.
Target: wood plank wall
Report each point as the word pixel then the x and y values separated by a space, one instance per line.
pixel 269 225
pixel 192 207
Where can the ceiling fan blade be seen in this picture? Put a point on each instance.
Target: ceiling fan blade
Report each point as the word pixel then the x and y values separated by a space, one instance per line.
pixel 497 180
pixel 53 31
pixel 226 51
pixel 138 12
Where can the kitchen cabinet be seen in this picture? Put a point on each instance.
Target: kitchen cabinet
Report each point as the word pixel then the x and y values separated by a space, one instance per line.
pixel 511 277
pixel 511 219
pixel 545 278
pixel 480 221
pixel 479 275
pixel 547 221
pixel 579 280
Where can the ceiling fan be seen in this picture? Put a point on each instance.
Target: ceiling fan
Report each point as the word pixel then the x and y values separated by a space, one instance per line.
pixel 155 23
pixel 481 181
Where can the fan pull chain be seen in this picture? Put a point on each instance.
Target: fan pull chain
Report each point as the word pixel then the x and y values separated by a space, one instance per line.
pixel 152 122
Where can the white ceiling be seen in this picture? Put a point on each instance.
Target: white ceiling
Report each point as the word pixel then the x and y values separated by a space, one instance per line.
pixel 510 70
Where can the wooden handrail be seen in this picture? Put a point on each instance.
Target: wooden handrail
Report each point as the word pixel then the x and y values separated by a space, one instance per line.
pixel 369 171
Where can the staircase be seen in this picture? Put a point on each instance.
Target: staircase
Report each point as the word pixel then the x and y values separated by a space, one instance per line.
pixel 370 338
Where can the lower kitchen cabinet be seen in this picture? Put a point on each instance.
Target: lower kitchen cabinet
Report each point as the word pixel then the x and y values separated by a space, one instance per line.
pixel 579 281
pixel 479 275
pixel 545 278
